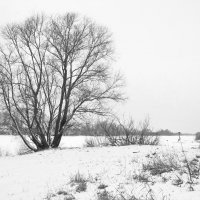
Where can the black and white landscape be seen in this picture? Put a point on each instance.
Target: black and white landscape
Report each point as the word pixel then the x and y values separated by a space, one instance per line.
pixel 99 100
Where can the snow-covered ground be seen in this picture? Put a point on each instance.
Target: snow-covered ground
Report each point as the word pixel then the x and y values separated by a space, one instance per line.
pixel 10 145
pixel 41 175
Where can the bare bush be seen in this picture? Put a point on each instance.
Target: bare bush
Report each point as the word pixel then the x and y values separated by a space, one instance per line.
pixel 91 142
pixel 162 164
pixel 97 141
pixel 125 195
pixel 142 177
pixel 168 162
pixel 120 134
pixel 191 168
pixel 197 136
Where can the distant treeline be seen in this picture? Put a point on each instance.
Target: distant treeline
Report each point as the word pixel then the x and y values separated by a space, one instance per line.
pixel 97 129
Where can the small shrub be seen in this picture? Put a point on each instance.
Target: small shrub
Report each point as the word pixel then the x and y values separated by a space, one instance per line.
pixel 162 164
pixel 191 168
pixel 197 136
pixel 121 134
pixel 164 179
pixel 141 177
pixel 90 143
pixel 80 181
pixel 62 192
pixel 81 187
pixel 78 178
pixel 149 140
pixel 195 168
pixel 105 195
pixel 49 196
pixel 69 197
pixel 102 186
pixel 178 181
pixel 65 195
pixel 96 141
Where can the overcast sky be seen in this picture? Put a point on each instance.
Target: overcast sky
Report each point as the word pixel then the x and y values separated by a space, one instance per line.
pixel 157 49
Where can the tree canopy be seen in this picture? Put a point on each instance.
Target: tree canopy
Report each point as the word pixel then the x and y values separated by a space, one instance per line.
pixel 53 71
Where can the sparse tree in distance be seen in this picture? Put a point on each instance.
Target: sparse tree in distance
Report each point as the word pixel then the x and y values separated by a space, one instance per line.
pixel 54 71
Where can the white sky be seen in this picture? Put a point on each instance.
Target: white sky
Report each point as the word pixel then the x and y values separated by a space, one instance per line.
pixel 157 50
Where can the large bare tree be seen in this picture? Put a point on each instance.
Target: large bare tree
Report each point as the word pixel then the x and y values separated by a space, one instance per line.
pixel 53 71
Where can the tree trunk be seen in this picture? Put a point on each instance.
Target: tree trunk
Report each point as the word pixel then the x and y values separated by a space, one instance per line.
pixel 56 141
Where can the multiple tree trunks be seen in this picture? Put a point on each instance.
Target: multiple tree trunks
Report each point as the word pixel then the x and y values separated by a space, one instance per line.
pixel 54 71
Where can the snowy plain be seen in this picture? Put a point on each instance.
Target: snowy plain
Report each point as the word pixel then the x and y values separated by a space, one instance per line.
pixel 41 175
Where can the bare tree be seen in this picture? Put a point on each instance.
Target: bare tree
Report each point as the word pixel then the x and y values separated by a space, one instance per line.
pixel 53 71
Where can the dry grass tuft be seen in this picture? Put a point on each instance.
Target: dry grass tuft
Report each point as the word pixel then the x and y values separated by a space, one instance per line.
pixel 160 164
pixel 80 181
